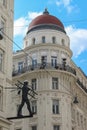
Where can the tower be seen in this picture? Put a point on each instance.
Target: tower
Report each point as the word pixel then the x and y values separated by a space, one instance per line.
pixel 48 67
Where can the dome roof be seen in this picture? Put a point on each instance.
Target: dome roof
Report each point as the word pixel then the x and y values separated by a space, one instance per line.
pixel 45 19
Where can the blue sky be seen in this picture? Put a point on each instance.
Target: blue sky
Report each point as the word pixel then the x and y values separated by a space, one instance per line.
pixel 73 15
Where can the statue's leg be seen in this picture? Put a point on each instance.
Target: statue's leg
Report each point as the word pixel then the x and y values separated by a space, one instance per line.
pixel 28 106
pixel 20 108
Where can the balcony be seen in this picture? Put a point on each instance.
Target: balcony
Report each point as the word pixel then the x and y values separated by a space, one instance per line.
pixel 29 68
pixel 81 85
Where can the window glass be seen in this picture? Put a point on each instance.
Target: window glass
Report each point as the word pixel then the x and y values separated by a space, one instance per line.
pixel 1 60
pixel 55 106
pixel 54 83
pixel 34 84
pixel 34 106
pixel 33 41
pixel 34 127
pixel 53 40
pixel 54 61
pixel 4 2
pixel 43 39
pixel 20 66
pixel 56 127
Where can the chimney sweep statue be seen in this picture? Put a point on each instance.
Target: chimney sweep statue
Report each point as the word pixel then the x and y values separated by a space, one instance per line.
pixel 25 89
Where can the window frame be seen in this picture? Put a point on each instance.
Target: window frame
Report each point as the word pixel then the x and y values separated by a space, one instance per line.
pixel 1 60
pixel 55 85
pixel 34 127
pixel 34 84
pixel 53 39
pixel 54 61
pixel 56 127
pixel 43 39
pixel 55 106
pixel 34 106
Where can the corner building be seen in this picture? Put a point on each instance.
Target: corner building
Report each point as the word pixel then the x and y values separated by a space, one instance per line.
pixel 6 33
pixel 45 61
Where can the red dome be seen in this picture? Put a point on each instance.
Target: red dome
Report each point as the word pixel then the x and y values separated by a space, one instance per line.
pixel 47 19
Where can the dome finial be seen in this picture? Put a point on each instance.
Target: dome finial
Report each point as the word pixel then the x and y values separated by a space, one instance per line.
pixel 45 11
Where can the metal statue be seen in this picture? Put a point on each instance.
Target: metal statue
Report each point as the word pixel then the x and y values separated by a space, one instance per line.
pixel 25 99
pixel 26 90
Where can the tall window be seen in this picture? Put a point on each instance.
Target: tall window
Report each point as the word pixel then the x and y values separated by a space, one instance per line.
pixel 43 61
pixel 34 106
pixel 20 66
pixel 63 42
pixel 34 84
pixel 53 61
pixel 53 40
pixel 54 83
pixel 0 98
pixel 18 108
pixel 55 106
pixel 1 60
pixel 18 129
pixel 33 41
pixel 56 127
pixel 34 63
pixel 34 127
pixel 4 2
pixel 3 25
pixel 43 39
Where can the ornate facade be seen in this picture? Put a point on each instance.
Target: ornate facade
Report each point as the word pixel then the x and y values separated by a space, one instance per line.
pixel 6 33
pixel 45 61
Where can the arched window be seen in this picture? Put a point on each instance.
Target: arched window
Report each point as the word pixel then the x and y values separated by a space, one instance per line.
pixel 33 41
pixel 63 42
pixel 43 39
pixel 53 40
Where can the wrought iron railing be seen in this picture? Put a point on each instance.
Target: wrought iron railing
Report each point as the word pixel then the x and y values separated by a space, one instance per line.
pixel 81 85
pixel 44 66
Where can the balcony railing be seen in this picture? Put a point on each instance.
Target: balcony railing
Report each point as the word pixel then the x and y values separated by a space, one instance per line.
pixel 81 85
pixel 44 66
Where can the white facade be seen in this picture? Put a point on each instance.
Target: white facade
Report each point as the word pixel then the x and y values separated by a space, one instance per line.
pixel 57 85
pixel 6 31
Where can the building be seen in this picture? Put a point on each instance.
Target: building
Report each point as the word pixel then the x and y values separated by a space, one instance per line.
pixel 45 61
pixel 6 33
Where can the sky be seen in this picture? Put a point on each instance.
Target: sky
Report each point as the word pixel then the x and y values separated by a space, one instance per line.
pixel 72 13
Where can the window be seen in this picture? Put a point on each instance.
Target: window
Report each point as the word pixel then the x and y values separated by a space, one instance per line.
pixel 0 128
pixel 33 41
pixel 18 108
pixel 63 42
pixel 43 39
pixel 56 127
pixel 54 61
pixel 34 106
pixel 54 83
pixel 1 60
pixel 4 2
pixel 34 127
pixel 53 40
pixel 20 66
pixel 34 63
pixel 55 106
pixel 34 84
pixel 0 98
pixel 43 61
pixel 3 25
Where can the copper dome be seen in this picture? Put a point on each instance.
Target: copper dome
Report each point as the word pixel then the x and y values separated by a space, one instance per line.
pixel 45 19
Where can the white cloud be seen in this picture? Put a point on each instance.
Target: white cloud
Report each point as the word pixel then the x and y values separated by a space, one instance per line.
pixel 78 40
pixel 21 24
pixel 67 4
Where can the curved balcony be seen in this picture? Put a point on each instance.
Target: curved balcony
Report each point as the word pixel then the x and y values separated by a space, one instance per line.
pixel 81 85
pixel 44 66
